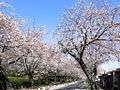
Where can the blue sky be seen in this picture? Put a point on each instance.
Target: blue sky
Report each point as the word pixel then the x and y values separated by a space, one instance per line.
pixel 45 12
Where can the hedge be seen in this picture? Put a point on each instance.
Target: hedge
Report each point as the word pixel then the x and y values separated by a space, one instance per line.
pixel 19 82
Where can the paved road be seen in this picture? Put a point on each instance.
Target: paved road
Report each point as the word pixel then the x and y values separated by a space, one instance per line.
pixel 76 86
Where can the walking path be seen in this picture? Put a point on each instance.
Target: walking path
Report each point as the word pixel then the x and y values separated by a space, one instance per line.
pixel 77 85
pixel 67 86
pixel 54 87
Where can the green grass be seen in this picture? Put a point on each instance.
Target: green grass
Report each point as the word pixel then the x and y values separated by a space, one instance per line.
pixel 23 81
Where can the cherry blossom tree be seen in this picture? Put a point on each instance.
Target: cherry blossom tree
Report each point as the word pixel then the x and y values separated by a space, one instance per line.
pixel 9 35
pixel 16 46
pixel 56 63
pixel 31 52
pixel 89 32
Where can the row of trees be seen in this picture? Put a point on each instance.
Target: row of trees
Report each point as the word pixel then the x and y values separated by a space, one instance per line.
pixel 23 51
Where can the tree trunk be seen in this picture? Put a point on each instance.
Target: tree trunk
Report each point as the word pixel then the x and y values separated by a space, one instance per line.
pixel 30 77
pixel 3 78
pixel 84 68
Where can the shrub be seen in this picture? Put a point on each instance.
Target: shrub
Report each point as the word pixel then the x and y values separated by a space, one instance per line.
pixel 17 82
